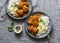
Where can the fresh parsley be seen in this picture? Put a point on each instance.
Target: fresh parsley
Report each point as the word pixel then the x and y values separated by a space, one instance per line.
pixel 41 20
pixel 15 5
pixel 10 28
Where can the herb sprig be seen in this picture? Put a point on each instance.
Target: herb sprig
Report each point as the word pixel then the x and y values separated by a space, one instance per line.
pixel 10 28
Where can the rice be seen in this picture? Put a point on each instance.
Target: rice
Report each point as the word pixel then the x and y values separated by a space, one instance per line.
pixel 11 6
pixel 43 25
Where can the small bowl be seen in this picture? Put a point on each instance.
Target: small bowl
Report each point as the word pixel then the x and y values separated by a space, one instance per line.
pixel 17 31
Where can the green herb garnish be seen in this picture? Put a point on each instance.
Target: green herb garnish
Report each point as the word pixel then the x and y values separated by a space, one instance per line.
pixel 10 28
pixel 17 28
pixel 41 20
pixel 12 24
pixel 15 5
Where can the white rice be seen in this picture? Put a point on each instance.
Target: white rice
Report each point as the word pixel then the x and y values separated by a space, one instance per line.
pixel 43 26
pixel 11 7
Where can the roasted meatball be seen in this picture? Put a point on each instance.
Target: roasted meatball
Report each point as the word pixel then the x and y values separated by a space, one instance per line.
pixel 30 22
pixel 20 12
pixel 20 5
pixel 17 15
pixel 35 18
pixel 34 30
pixel 37 15
pixel 30 28
pixel 25 8
pixel 23 0
pixel 31 17
pixel 35 23
pixel 26 3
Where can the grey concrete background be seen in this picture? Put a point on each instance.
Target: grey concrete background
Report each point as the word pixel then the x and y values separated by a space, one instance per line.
pixel 50 7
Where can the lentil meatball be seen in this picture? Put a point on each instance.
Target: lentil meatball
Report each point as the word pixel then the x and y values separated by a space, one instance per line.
pixel 26 3
pixel 30 28
pixel 34 30
pixel 20 5
pixel 25 8
pixel 17 15
pixel 30 22
pixel 20 12
pixel 23 0
pixel 35 23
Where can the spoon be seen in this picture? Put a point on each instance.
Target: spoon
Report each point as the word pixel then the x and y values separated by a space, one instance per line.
pixel 49 38
pixel 2 15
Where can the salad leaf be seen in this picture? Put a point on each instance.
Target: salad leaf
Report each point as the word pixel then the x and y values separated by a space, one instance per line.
pixel 10 28
pixel 12 24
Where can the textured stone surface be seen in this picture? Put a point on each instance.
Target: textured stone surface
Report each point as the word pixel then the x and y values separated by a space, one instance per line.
pixel 50 7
